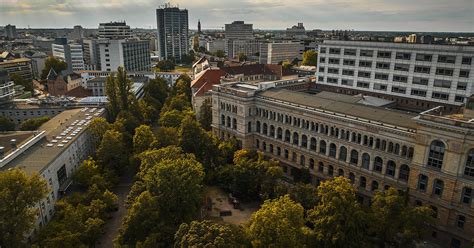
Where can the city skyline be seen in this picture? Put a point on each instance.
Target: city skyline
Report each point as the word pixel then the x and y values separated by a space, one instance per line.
pixel 400 15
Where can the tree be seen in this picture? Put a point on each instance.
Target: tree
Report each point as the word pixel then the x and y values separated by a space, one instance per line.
pixel 172 118
pixel 112 153
pixel 242 57
pixel 209 234
pixel 166 136
pixel 19 193
pixel 165 65
pixel 18 80
pixel 56 64
pixel 338 219
pixel 143 139
pixel 310 58
pixel 219 54
pixel 190 135
pixel 395 223
pixel 33 123
pixel 286 65
pixel 88 173
pixel 278 223
pixel 97 129
pixel 118 89
pixel 6 124
pixel 304 194
pixel 205 117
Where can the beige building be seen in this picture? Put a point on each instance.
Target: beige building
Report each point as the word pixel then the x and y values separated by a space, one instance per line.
pixel 430 155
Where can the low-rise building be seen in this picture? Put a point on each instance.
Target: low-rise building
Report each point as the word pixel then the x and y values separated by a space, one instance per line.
pixel 63 83
pixel 277 52
pixel 21 67
pixel 7 90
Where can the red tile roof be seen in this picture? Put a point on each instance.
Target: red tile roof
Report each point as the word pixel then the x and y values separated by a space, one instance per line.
pixel 206 79
pixel 79 92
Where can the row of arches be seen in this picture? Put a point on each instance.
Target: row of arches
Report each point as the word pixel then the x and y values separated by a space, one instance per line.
pixel 229 122
pixel 228 107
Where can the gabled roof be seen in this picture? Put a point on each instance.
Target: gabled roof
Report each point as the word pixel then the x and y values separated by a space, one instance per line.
pixel 206 79
pixel 52 75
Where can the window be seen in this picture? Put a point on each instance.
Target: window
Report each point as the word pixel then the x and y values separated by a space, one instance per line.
pixel 390 171
pixel 404 56
pixel 464 73
pixel 287 135
pixel 322 50
pixel 350 52
pixel 458 98
pixel 436 154
pixel 375 185
pixel 312 144
pixel 450 59
pixel 422 69
pixel 422 182
pixel 364 63
pixel 400 90
pixel 401 67
pixel 349 62
pixel 348 82
pixel 365 161
pixel 363 85
pixel 321 167
pixel 384 54
pixel 378 162
pixel 363 182
pixel 330 170
pixel 438 186
pixel 380 87
pixel 321 69
pixel 322 60
pixel 461 86
pixel 466 195
pixel 455 243
pixel 466 60
pixel 444 71
pixel 442 83
pixel 295 138
pixel 420 81
pixel 366 53
pixel 417 92
pixel 381 76
pixel 399 78
pixel 304 141
pixel 382 65
pixel 333 70
pixel 332 80
pixel 347 72
pixel 461 221
pixel 334 51
pixel 354 157
pixel 404 173
pixel 333 61
pixel 440 95
pixel 322 147
pixel 469 167
pixel 342 153
pixel 424 57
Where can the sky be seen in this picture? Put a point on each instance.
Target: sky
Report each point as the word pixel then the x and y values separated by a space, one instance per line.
pixel 377 15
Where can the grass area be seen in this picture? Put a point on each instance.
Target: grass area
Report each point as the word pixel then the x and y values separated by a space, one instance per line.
pixel 183 69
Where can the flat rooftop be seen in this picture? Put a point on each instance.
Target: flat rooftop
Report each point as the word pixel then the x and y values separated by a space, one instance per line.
pixel 342 104
pixel 59 133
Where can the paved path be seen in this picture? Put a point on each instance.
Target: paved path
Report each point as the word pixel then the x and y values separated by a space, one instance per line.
pixel 112 226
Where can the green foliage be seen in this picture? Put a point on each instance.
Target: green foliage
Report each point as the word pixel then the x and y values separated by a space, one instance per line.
pixel 209 234
pixel 165 65
pixel 18 80
pixel 205 117
pixel 56 64
pixel 112 153
pixel 287 65
pixel 278 223
pixel 6 124
pixel 143 139
pixel 338 219
pixel 19 193
pixel 304 194
pixel 166 136
pixel 171 118
pixel 118 89
pixel 33 123
pixel 220 54
pixel 242 57
pixel 97 128
pixel 310 58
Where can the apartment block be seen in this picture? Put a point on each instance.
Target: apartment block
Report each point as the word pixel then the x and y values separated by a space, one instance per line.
pixel 172 24
pixel 276 52
pixel 21 67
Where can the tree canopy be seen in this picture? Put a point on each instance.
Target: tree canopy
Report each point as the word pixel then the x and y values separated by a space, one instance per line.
pixel 209 234
pixel 6 124
pixel 33 123
pixel 310 58
pixel 56 64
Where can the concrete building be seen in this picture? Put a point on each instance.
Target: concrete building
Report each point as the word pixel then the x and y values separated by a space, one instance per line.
pixel 10 32
pixel 132 54
pixel 91 54
pixel 239 30
pixel 417 76
pixel 114 30
pixel 429 156
pixel 170 77
pixel 38 60
pixel 249 48
pixel 276 52
pixel 172 36
pixel 7 90
pixel 97 85
pixel 216 45
pixel 21 67
pixel 54 152
pixel 71 53
pixel 297 31
pixel 77 33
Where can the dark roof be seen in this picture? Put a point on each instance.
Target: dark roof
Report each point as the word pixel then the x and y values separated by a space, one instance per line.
pixel 79 92
pixel 52 75
pixel 254 69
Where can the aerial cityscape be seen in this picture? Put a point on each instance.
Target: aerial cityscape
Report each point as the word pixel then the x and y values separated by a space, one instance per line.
pixel 237 123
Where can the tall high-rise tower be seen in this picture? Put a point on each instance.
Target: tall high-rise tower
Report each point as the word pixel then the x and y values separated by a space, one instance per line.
pixel 199 26
pixel 172 25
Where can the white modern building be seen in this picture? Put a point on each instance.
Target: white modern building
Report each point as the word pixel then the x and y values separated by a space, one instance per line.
pixel 7 90
pixel 248 48
pixel 419 76
pixel 71 53
pixel 132 54
pixel 239 30
pixel 91 54
pixel 275 52
pixel 172 25
pixel 114 30
pixel 216 45
pixel 38 60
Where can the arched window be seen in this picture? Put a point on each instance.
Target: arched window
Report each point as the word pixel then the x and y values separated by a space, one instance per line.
pixel 384 145
pixel 377 144
pixel 257 143
pixel 352 177
pixel 365 161
pixel 258 126
pixel 330 170
pixel 354 157
pixel 363 182
pixel 404 151
pixel 375 185
pixel 390 146
pixel 312 144
pixel 365 140
pixel 278 151
pixel 311 164
pixel 436 154
pixel 272 131
pixel 342 153
pixel 340 172
pixel 249 127
pixel 390 171
pixel 223 120
pixel 234 123
pixel 410 152
pixel 438 186
pixel 466 195
pixel 322 147
pixel 422 182
pixel 332 150
pixel 397 149
pixel 295 138
pixel 469 167
pixel 404 173
pixel 378 162
pixel 287 135
pixel 279 133
pixel 294 157
pixel 264 146
pixel 302 160
pixel 228 121
pixel 304 141
pixel 321 167
pixel 265 129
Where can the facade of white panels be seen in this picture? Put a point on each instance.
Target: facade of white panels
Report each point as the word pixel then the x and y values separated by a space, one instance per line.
pixel 437 73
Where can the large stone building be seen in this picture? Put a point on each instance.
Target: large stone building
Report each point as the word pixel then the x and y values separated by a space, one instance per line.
pixel 417 76
pixel 430 156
